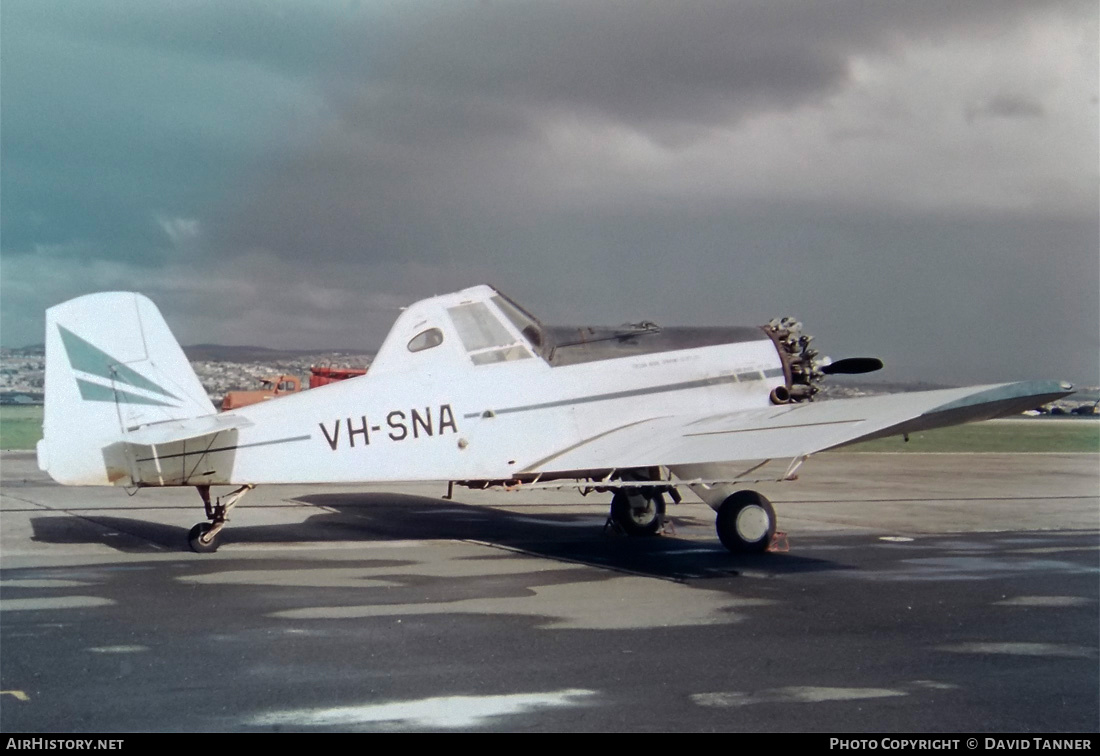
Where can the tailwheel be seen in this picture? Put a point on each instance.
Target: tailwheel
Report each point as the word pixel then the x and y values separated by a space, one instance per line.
pixel 638 514
pixel 746 522
pixel 203 539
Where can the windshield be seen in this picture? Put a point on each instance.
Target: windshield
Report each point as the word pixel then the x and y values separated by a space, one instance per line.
pixel 531 329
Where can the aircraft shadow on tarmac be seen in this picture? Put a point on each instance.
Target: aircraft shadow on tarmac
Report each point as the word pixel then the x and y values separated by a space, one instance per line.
pixel 371 517
pixel 121 533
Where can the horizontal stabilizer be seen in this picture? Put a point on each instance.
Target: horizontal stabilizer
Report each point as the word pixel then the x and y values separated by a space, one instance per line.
pixel 183 430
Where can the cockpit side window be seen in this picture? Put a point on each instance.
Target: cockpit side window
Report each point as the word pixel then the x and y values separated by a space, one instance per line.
pixel 432 337
pixel 485 338
pixel 504 354
pixel 478 328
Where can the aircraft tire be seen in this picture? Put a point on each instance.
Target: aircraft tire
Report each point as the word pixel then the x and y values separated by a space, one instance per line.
pixel 746 523
pixel 197 544
pixel 644 523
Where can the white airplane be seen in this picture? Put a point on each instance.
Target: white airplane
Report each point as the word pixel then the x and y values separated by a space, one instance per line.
pixel 469 388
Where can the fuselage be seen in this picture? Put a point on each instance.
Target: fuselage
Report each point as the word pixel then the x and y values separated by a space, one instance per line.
pixel 510 419
pixel 489 398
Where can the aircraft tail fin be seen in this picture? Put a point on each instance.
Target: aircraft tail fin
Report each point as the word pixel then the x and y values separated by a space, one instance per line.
pixel 112 366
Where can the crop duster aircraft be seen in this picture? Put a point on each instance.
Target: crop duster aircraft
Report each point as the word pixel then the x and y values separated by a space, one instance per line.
pixel 470 389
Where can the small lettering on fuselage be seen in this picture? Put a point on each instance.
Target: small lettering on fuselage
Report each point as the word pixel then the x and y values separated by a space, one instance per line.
pixel 399 426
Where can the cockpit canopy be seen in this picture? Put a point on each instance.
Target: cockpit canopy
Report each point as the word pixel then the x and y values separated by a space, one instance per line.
pixel 490 328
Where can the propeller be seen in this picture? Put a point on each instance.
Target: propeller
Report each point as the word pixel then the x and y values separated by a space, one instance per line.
pixel 851 366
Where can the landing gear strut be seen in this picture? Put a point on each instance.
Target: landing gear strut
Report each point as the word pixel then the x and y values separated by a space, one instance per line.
pixel 203 538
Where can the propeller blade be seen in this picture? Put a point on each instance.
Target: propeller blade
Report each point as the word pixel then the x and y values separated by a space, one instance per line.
pixel 852 366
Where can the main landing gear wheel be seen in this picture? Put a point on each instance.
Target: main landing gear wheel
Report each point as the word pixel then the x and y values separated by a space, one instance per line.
pixel 201 540
pixel 746 523
pixel 636 514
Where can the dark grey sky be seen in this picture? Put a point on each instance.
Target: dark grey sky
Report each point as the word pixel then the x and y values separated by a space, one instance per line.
pixel 914 180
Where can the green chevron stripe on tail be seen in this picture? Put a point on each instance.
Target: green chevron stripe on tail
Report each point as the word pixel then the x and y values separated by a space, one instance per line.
pixel 94 392
pixel 90 359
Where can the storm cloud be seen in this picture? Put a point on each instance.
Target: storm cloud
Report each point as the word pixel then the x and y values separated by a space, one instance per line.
pixel 913 180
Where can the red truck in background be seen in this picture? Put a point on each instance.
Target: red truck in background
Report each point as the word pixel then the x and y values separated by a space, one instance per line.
pixel 282 385
pixel 320 375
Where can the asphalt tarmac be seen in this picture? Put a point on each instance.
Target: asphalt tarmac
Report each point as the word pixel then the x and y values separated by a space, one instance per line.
pixel 921 593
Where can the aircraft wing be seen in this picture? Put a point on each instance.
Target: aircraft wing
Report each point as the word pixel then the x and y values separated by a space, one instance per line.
pixel 793 430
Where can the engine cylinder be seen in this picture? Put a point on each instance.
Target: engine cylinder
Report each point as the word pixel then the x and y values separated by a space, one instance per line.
pixel 798 361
